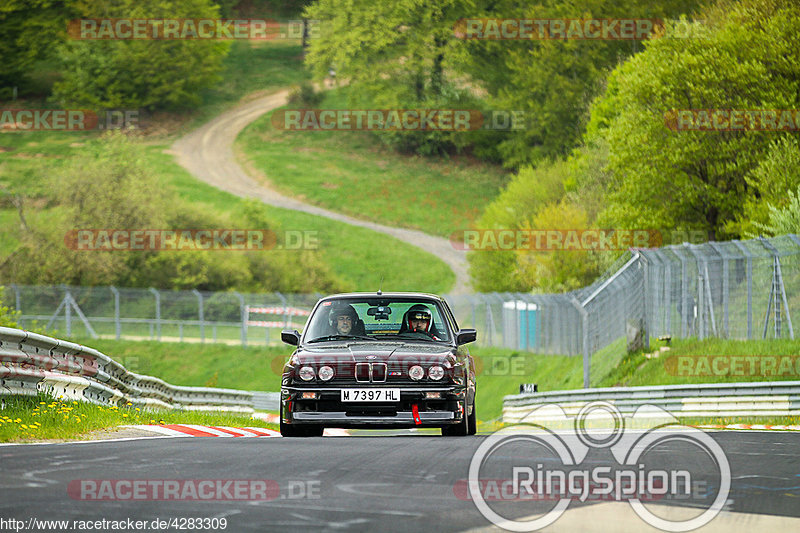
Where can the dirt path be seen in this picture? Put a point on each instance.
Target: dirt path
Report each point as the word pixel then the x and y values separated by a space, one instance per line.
pixel 208 154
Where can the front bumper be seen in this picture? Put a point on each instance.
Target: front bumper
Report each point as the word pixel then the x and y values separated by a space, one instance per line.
pixel 329 411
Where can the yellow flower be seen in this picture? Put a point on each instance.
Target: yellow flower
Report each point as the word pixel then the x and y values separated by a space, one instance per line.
pixel 138 409
pixel 23 426
pixel 124 416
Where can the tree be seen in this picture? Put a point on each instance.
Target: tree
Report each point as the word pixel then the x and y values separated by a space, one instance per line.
pixel 697 179
pixel 393 55
pixel 553 81
pixel 29 30
pixel 150 74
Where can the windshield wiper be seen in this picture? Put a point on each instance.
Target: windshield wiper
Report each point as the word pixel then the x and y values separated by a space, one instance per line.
pixel 339 337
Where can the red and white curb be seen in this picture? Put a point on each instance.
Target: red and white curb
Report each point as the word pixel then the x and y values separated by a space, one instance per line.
pixel 761 427
pixel 192 430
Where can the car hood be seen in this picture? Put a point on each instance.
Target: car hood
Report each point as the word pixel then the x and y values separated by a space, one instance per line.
pixel 371 352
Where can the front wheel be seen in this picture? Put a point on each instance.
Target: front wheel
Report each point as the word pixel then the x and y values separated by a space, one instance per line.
pixel 458 430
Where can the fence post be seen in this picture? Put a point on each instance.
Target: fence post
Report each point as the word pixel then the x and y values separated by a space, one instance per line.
pixel 117 325
pixel 242 313
pixel 749 275
pixel 777 283
pixel 585 327
pixel 158 313
pixel 645 299
pixel 67 311
pixel 17 300
pixel 200 315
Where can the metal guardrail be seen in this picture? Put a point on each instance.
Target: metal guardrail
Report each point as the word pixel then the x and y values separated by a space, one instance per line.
pixel 31 364
pixel 266 401
pixel 771 398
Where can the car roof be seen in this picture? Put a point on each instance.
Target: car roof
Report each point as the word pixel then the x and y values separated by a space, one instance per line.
pixel 420 295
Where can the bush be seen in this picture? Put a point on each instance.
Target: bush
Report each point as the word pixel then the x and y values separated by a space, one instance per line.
pixel 305 95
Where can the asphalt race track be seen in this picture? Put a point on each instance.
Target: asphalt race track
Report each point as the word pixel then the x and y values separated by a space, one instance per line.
pixel 372 483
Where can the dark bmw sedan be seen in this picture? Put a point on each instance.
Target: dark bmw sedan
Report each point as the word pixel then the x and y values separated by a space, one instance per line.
pixel 379 360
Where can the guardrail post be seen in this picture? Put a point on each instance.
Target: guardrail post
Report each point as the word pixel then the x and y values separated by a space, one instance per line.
pixel 200 315
pixel 117 325
pixel 158 313
pixel 243 317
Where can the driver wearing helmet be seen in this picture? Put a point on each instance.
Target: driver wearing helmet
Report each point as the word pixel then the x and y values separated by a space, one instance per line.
pixel 342 319
pixel 418 320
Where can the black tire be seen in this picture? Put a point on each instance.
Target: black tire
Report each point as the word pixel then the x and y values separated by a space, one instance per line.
pixel 458 430
pixel 288 430
pixel 473 424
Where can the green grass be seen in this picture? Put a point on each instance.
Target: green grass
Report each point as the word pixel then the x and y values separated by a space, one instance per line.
pixel 637 370
pixel 200 365
pixel 353 173
pixel 500 371
pixel 725 421
pixel 358 257
pixel 253 68
pixel 41 417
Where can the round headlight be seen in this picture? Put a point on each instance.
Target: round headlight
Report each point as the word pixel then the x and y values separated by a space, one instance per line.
pixel 325 373
pixel 436 372
pixel 416 373
pixel 306 373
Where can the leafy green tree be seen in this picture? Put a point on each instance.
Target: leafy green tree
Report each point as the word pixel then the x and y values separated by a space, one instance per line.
pixel 774 179
pixel 531 190
pixel 150 74
pixel 29 30
pixel 553 81
pixel 394 55
pixel 784 220
pixel 698 179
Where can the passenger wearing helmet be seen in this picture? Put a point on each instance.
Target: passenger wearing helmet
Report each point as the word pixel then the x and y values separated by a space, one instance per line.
pixel 418 320
pixel 343 319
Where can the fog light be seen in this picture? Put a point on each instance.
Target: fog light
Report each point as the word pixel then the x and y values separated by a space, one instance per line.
pixel 433 395
pixel 416 373
pixel 306 373
pixel 308 396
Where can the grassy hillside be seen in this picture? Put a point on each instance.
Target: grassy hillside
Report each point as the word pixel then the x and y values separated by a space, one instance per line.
pixel 500 371
pixel 357 257
pixel 353 173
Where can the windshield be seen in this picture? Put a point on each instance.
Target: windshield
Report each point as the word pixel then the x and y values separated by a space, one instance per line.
pixel 378 318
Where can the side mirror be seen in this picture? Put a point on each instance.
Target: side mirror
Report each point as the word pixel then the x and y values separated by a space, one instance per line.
pixel 290 336
pixel 465 336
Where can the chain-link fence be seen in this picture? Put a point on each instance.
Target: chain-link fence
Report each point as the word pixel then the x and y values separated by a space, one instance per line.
pixel 736 289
